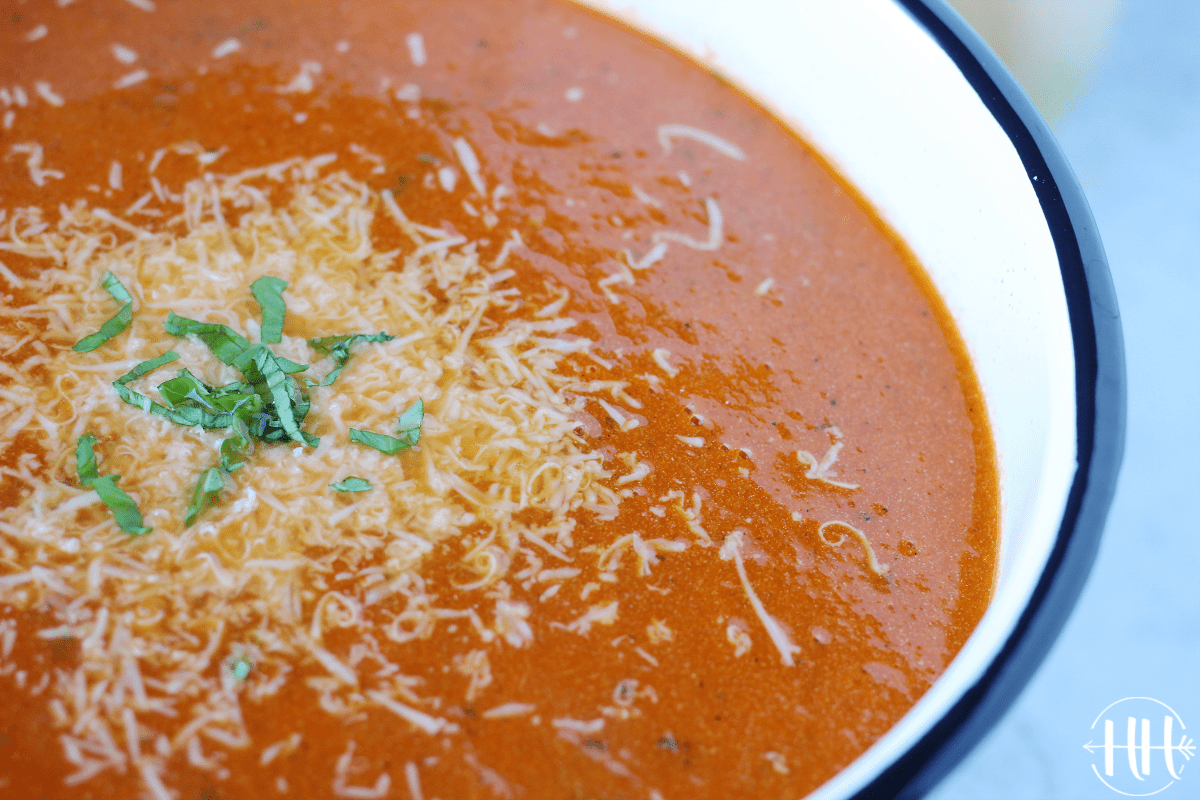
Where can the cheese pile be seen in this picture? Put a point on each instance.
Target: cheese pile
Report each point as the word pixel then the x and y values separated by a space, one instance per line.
pixel 283 578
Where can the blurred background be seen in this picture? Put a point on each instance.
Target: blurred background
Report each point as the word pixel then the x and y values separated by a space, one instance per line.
pixel 1119 81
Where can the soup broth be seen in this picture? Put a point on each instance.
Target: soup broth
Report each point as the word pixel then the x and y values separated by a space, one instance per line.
pixel 704 496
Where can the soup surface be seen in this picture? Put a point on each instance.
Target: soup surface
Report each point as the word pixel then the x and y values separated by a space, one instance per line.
pixel 704 497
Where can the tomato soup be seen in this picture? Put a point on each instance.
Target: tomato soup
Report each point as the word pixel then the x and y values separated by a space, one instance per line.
pixel 608 444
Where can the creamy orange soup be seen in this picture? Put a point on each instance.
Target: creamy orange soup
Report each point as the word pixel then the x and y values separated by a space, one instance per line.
pixel 701 497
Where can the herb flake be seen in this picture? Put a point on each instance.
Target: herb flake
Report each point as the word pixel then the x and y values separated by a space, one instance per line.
pixel 210 485
pixel 351 484
pixel 124 510
pixel 410 432
pixel 225 343
pixel 115 324
pixel 268 291
pixel 338 348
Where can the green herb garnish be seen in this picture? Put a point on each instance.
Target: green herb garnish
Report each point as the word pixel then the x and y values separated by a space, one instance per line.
pixel 236 449
pixel 85 459
pixel 338 348
pixel 211 484
pixel 410 432
pixel 184 413
pixel 281 395
pixel 148 366
pixel 410 422
pixel 351 484
pixel 225 343
pixel 115 324
pixel 122 506
pixel 380 441
pixel 268 292
pixel 124 510
pixel 268 405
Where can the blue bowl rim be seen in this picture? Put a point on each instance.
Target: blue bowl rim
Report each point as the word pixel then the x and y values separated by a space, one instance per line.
pixel 1100 391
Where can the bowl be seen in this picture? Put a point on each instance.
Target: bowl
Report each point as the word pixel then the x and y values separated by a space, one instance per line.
pixel 910 105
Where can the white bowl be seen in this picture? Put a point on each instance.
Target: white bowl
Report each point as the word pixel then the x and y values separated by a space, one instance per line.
pixel 910 106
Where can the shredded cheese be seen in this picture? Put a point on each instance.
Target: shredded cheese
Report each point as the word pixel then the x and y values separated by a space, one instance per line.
pixel 668 132
pixel 416 48
pixel 227 47
pixel 820 470
pixel 499 472
pixel 868 550
pixel 732 549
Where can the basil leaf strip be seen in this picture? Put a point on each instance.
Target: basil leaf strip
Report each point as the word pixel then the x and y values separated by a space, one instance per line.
pixel 182 415
pixel 338 348
pixel 85 459
pixel 262 368
pixel 268 291
pixel 114 325
pixel 188 416
pixel 123 509
pixel 187 388
pixel 410 422
pixel 225 343
pixel 381 442
pixel 289 366
pixel 148 366
pixel 410 432
pixel 211 483
pixel 235 450
pixel 351 484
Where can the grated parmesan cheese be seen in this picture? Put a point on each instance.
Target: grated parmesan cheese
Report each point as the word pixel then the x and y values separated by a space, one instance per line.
pixel 499 438
pixel 819 470
pixel 131 79
pixel 227 47
pixel 123 54
pixel 416 48
pixel 668 132
pixel 47 93
pixel 732 549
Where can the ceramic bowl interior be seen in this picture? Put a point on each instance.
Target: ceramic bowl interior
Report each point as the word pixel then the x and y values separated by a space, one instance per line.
pixel 868 86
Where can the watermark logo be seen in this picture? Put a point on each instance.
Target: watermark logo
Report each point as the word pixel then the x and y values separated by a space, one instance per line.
pixel 1127 759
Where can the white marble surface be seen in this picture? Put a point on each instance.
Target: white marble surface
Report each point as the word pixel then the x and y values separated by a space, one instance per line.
pixel 1133 137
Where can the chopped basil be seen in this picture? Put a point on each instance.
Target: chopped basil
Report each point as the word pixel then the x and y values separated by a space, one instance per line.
pixel 351 484
pixel 284 396
pixel 268 292
pixel 211 483
pixel 225 343
pixel 85 459
pixel 289 366
pixel 338 348
pixel 410 432
pixel 148 366
pixel 410 422
pixel 124 510
pixel 269 405
pixel 188 415
pixel 113 325
pixel 241 669
pixel 235 449
pixel 186 388
pixel 381 442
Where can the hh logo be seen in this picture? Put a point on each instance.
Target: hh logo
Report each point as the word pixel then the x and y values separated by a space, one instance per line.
pixel 1133 764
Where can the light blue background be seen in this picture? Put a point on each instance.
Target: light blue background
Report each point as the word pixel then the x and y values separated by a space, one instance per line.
pixel 1133 138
